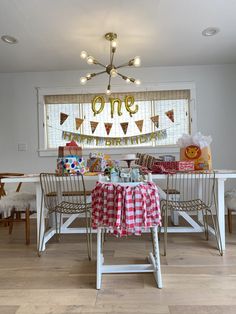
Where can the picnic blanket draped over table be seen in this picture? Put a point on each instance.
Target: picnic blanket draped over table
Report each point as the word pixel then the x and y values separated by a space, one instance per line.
pixel 125 210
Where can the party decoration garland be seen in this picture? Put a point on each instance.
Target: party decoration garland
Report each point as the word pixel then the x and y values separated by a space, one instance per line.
pixel 115 141
pixel 63 117
pixel 124 126
pixel 108 127
pixel 93 125
pixel 155 120
pixel 128 100
pixel 170 115
pixel 78 122
pixel 139 124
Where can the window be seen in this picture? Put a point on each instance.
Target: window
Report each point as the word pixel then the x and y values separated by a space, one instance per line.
pixel 150 105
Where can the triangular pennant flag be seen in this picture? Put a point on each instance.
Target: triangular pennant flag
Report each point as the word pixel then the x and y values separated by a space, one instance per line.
pixel 139 124
pixel 93 125
pixel 124 126
pixel 108 127
pixel 170 115
pixel 78 122
pixel 155 120
pixel 63 117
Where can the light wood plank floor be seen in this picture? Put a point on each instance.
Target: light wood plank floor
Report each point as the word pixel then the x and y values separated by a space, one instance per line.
pixel 196 279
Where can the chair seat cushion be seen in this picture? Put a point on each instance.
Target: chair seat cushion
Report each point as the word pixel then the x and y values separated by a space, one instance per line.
pixel 230 199
pixel 18 201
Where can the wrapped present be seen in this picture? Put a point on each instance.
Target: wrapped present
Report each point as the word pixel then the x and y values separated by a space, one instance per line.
pixel 71 165
pixel 96 164
pixel 196 148
pixel 71 149
pixel 172 166
pixel 200 156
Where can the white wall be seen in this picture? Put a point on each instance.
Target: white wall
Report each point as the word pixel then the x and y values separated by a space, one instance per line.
pixel 216 110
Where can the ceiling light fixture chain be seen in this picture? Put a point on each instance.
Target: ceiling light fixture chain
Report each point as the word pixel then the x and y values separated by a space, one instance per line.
pixel 110 69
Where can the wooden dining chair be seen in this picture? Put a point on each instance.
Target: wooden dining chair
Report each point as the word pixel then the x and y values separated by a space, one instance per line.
pixel 16 206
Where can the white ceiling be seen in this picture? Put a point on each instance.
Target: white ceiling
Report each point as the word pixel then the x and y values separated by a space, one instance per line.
pixel 52 33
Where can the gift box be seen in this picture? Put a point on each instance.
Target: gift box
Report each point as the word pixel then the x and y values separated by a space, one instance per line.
pixel 196 148
pixel 96 164
pixel 71 165
pixel 200 156
pixel 71 149
pixel 172 166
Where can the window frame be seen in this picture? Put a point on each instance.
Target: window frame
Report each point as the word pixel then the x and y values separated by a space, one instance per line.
pixel 169 149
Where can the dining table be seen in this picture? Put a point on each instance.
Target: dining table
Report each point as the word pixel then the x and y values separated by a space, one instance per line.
pixel 221 177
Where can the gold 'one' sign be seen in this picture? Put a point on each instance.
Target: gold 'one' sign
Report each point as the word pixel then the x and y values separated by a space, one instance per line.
pixel 98 104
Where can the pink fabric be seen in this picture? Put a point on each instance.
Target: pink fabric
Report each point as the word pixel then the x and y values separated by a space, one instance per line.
pixel 125 210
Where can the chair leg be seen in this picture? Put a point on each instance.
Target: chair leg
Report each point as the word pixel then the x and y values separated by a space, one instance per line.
pixel 27 226
pixel 205 219
pixel 10 223
pixel 165 230
pixel 217 232
pixel 230 220
pixel 88 235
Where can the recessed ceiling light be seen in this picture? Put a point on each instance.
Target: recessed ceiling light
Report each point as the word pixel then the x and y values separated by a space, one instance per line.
pixel 9 39
pixel 210 31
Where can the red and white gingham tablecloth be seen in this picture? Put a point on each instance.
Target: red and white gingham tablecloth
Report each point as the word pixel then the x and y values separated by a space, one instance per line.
pixel 125 210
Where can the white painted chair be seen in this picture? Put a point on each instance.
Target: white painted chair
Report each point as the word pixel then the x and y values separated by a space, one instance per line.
pixel 230 203
pixel 16 206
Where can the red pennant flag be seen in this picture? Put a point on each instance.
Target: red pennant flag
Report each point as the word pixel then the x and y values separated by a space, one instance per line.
pixel 124 126
pixel 78 122
pixel 155 120
pixel 108 127
pixel 139 124
pixel 63 117
pixel 93 125
pixel 170 115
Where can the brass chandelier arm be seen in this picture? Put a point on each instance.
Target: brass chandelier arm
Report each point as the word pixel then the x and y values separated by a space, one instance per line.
pixel 123 65
pixel 98 73
pixel 109 86
pixel 124 77
pixel 98 63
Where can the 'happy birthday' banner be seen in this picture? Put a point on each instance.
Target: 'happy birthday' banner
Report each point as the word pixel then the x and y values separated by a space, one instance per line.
pixel 114 141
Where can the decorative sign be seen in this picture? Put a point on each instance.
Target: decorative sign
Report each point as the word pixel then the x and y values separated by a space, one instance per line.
pixel 170 115
pixel 114 141
pixel 98 104
pixel 63 117
pixel 78 122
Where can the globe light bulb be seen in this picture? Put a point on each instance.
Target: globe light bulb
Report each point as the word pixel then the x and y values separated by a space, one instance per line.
pixel 108 91
pixel 137 82
pixel 127 80
pixel 83 54
pixel 88 76
pixel 114 43
pixel 90 60
pixel 83 80
pixel 137 61
pixel 113 72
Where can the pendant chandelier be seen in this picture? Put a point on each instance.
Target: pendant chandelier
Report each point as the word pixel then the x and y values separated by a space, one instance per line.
pixel 110 69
